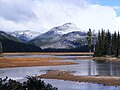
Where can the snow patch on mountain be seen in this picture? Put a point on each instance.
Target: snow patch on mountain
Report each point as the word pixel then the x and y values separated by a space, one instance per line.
pixel 67 35
pixel 25 35
pixel 65 28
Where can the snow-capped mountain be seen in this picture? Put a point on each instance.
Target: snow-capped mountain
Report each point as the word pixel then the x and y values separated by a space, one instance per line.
pixel 25 35
pixel 67 35
pixel 54 34
pixel 12 44
pixel 69 40
pixel 63 29
pixel 72 36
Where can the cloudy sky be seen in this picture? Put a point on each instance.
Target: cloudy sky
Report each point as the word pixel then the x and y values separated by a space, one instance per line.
pixel 42 15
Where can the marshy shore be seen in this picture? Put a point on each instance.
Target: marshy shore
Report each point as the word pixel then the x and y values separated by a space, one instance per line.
pixel 8 62
pixel 28 62
pixel 106 59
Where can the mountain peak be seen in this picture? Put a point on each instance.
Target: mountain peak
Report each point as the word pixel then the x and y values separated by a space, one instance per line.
pixel 25 35
pixel 69 25
pixel 65 28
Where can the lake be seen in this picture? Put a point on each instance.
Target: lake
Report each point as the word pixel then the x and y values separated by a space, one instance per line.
pixel 84 67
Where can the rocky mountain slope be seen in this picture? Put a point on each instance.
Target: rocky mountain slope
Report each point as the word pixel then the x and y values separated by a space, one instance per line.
pixel 66 36
pixel 25 35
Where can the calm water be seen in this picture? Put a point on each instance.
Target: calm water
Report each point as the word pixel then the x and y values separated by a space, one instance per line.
pixel 84 67
pixel 70 85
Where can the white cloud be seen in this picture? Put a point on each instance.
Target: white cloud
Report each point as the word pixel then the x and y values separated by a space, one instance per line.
pixel 16 10
pixel 42 15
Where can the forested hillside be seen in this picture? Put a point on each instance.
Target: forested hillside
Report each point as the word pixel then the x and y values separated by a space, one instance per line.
pixel 12 44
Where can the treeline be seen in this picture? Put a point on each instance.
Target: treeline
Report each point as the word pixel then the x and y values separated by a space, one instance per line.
pixel 78 49
pixel 107 44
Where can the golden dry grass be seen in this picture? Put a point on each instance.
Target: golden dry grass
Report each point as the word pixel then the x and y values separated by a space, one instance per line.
pixel 26 62
pixel 63 75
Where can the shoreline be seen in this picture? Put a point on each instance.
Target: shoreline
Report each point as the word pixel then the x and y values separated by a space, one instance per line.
pixel 46 53
pixel 63 75
pixel 106 59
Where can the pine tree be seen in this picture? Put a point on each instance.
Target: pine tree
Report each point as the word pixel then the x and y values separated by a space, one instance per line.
pixel 98 45
pixel 103 42
pixel 114 43
pixel 107 43
pixel 0 49
pixel 117 45
pixel 89 39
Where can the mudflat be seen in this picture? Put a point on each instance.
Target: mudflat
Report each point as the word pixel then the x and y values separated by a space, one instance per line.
pixel 63 75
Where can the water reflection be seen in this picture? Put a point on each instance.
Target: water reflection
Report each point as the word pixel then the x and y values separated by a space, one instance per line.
pixel 108 69
pixel 69 85
pixel 85 67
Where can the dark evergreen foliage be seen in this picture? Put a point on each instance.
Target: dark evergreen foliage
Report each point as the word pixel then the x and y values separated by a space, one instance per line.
pixel 89 39
pixel 78 49
pixel 108 44
pixel 32 83
pixel 12 44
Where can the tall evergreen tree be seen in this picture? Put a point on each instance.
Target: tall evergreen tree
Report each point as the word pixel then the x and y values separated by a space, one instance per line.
pixel 98 45
pixel 117 45
pixel 89 39
pixel 0 49
pixel 107 43
pixel 114 43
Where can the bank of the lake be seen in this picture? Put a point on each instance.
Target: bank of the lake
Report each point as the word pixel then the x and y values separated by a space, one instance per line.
pixel 107 59
pixel 63 75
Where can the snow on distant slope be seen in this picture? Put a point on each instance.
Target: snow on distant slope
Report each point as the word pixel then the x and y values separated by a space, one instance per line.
pixel 25 35
pixel 65 28
pixel 59 31
pixel 67 35
pixel 70 40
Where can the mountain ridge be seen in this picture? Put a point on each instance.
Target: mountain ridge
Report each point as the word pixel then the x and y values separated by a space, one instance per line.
pixel 24 35
pixel 12 44
pixel 63 36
